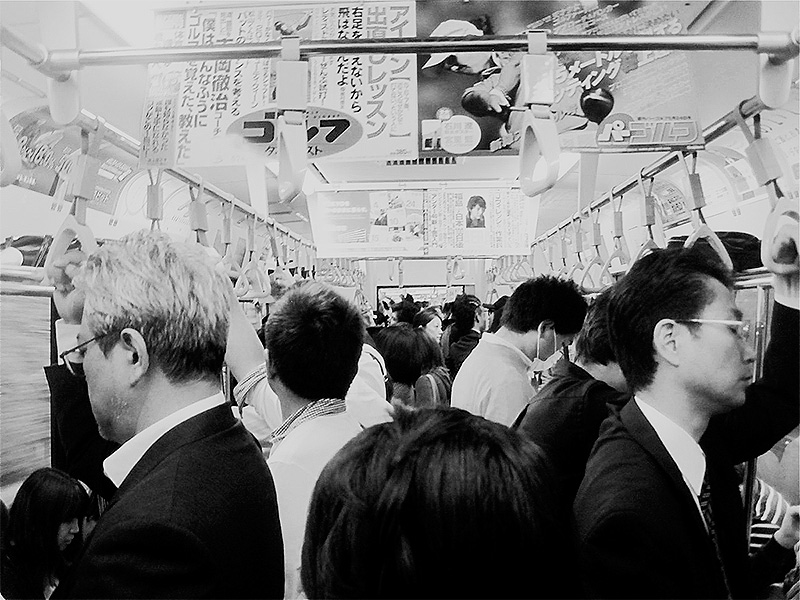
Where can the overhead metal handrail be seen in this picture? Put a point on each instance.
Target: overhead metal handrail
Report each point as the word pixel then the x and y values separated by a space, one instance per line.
pixel 779 45
pixel 749 108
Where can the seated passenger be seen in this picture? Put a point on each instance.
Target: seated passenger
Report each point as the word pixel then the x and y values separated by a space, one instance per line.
pixel 414 362
pixel 314 340
pixel 43 522
pixel 565 415
pixel 436 504
pixel 496 380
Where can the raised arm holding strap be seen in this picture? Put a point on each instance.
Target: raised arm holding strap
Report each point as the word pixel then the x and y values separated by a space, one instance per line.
pixel 80 186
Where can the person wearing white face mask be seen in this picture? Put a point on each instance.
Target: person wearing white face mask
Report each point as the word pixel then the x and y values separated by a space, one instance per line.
pixel 495 381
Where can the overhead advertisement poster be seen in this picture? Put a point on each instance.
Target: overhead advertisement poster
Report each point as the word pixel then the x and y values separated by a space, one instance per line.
pixel 223 112
pixel 606 101
pixel 48 154
pixel 445 220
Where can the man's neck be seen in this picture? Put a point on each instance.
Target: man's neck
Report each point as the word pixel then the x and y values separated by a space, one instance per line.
pixel 677 405
pixel 164 398
pixel 518 340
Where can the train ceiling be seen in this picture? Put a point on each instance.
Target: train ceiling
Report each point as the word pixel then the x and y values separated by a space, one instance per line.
pixel 117 94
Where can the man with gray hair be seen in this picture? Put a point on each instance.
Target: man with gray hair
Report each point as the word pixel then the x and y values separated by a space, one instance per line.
pixel 194 493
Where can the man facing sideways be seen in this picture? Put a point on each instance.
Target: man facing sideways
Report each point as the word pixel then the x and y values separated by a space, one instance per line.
pixel 194 494
pixel 564 417
pixel 541 316
pixel 659 513
pixel 314 341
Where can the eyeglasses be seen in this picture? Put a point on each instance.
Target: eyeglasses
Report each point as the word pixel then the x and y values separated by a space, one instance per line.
pixel 743 329
pixel 81 346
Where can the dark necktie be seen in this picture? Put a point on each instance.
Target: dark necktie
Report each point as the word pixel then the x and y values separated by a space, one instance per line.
pixel 705 507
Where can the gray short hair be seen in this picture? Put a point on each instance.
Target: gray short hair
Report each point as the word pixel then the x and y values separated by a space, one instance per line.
pixel 169 292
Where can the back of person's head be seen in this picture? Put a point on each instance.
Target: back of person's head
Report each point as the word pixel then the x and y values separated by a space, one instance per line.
pixel 464 310
pixel 425 316
pixel 666 284
pixel 314 340
pixel 45 500
pixel 496 311
pixel 438 503
pixel 545 298
pixel 593 344
pixel 405 310
pixel 169 292
pixel 408 352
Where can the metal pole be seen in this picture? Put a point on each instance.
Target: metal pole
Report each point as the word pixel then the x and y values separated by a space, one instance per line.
pixel 749 108
pixel 780 45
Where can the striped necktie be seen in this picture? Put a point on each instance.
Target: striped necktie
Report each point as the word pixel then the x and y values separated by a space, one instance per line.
pixel 708 516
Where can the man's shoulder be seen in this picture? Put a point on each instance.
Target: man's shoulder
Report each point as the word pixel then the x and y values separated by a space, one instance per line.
pixel 316 440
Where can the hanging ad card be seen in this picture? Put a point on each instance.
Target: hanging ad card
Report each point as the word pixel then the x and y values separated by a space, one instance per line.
pixel 607 101
pixel 367 223
pixel 48 152
pixel 223 112
pixel 446 220
pixel 461 221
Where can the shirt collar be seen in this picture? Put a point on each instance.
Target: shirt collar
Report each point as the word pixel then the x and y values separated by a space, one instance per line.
pixel 119 464
pixel 312 410
pixel 682 447
pixel 491 338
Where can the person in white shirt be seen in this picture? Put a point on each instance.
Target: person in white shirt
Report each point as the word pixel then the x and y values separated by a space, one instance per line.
pixel 194 493
pixel 314 339
pixel 496 380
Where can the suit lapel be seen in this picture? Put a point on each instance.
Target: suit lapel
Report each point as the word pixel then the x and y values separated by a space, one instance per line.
pixel 643 433
pixel 196 428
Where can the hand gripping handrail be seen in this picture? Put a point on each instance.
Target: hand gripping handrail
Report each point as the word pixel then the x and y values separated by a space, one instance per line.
pixel 597 260
pixel 701 229
pixel 781 227
pixel 648 218
pixel 80 186
pixel 253 283
pixel 539 134
pixel 620 251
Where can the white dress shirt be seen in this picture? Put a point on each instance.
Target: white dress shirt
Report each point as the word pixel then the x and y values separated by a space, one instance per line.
pixel 684 450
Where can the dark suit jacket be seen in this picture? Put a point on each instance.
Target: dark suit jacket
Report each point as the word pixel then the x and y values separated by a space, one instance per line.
pixel 564 419
pixel 640 532
pixel 77 447
pixel 197 517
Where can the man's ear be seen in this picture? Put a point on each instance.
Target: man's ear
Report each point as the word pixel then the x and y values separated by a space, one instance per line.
pixel 136 354
pixel 666 341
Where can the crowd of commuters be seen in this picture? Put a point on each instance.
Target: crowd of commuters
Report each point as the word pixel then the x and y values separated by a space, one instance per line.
pixel 569 450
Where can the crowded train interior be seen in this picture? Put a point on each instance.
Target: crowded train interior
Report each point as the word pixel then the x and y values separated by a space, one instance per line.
pixel 399 298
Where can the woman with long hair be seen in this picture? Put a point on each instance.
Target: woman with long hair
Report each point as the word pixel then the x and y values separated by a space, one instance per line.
pixel 43 521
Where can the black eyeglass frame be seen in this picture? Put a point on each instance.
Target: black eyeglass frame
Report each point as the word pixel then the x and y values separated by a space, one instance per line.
pixel 70 365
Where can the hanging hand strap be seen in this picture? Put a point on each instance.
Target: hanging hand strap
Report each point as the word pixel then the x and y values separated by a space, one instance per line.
pixel 701 229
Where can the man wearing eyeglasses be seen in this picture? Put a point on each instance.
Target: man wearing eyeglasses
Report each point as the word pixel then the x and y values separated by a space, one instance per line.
pixel 193 491
pixel 659 514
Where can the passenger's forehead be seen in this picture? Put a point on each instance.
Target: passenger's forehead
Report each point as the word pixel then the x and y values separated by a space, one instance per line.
pixel 723 302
